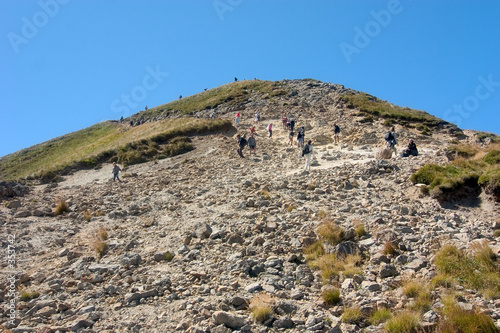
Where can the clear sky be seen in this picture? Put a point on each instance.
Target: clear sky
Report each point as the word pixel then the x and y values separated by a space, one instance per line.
pixel 68 64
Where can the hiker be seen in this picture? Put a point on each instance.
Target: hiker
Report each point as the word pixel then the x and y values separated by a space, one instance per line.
pixel 336 132
pixel 292 123
pixel 300 139
pixel 116 171
pixel 252 130
pixel 284 120
pixel 390 138
pixel 307 152
pixel 146 108
pixel 242 142
pixel 121 120
pixel 212 115
pixel 237 119
pixel 290 138
pixel 270 129
pixel 257 117
pixel 252 145
pixel 410 150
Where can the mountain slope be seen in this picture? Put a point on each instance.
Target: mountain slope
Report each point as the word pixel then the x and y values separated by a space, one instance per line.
pixel 102 143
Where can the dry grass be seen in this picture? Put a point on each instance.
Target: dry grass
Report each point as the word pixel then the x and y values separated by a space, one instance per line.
pixel 381 315
pixel 331 295
pixel 352 315
pixel 261 307
pixel 456 319
pixel 330 232
pixel 476 269
pixel 389 249
pixel 61 207
pixel 404 322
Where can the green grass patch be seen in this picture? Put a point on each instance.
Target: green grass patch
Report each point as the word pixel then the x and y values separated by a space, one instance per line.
pixel 472 168
pixel 372 106
pixel 104 143
pixel 331 295
pixel 404 322
pixel 352 315
pixel 229 94
pixel 476 269
pixel 381 315
pixel 456 319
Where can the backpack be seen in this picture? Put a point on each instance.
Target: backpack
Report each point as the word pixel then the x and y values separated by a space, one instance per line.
pixel 243 142
pixel 336 129
pixel 389 136
pixel 305 151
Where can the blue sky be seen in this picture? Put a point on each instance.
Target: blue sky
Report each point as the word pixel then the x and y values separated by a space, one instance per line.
pixel 68 64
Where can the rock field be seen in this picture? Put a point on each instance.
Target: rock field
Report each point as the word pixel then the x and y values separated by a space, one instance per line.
pixel 193 238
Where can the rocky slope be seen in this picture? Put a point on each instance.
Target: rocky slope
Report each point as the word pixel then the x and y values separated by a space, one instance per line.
pixel 234 228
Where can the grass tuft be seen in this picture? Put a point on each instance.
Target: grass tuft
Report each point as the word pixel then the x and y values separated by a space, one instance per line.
pixel 352 315
pixel 381 315
pixel 331 296
pixel 404 322
pixel 61 208
pixel 261 307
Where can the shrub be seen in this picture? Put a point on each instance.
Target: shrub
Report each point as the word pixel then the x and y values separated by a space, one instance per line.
pixel 492 157
pixel 411 288
pixel 314 251
pixel 169 256
pixel 389 249
pixel 331 296
pixel 87 215
pixel 352 315
pixel 457 319
pixel 380 315
pixel 330 232
pixel 476 270
pixel 61 208
pixel 442 280
pixel 27 295
pixel 261 307
pixel 404 322
pixel 360 230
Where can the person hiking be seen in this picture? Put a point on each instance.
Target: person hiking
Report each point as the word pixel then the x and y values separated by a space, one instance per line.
pixel 237 119
pixel 308 153
pixel 292 124
pixel 252 145
pixel 336 133
pixel 290 138
pixel 284 120
pixel 270 129
pixel 410 150
pixel 257 117
pixel 116 171
pixel 390 138
pixel 242 142
pixel 300 139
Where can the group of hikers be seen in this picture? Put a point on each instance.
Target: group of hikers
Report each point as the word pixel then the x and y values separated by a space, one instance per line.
pixel 307 149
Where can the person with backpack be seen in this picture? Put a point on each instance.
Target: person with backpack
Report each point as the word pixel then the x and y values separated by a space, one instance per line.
pixel 237 119
pixel 300 139
pixel 242 142
pixel 284 121
pixel 252 145
pixel 336 132
pixel 390 138
pixel 308 152
pixel 290 138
